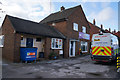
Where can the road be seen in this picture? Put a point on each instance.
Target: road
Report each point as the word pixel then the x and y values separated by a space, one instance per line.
pixel 79 67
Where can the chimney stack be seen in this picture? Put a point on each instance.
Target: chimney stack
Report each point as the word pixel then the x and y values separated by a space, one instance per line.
pixel 114 31
pixel 101 26
pixel 94 21
pixel 109 30
pixel 62 8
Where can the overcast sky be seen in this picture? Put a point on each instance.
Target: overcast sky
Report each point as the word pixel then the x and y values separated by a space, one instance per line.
pixel 105 12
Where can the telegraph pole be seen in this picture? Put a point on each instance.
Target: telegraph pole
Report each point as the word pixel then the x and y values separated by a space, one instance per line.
pixel 1 13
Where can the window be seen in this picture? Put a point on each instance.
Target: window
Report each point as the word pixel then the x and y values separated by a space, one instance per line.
pixel 84 29
pixel 56 43
pixel 22 38
pixel 75 26
pixel 84 46
pixel 38 39
pixel 23 41
pixel 1 40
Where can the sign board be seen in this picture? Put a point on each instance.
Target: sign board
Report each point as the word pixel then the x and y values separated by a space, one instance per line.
pixel 84 36
pixel 30 55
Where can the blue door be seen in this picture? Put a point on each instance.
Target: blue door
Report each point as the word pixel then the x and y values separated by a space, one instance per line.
pixel 29 42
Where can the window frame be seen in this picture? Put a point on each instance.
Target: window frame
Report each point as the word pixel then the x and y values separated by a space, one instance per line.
pixel 75 26
pixel 84 28
pixel 86 46
pixel 55 40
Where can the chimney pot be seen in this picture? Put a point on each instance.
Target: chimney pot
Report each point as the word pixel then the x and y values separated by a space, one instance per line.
pixel 101 26
pixel 114 31
pixel 62 8
pixel 94 21
pixel 109 30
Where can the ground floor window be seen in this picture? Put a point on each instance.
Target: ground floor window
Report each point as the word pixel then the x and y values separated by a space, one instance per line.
pixel 56 43
pixel 1 40
pixel 84 46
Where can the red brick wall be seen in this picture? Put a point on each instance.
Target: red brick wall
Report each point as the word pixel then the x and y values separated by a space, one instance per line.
pixel 61 26
pixel 8 49
pixel 93 30
pixel 47 49
pixel 78 17
pixel 17 43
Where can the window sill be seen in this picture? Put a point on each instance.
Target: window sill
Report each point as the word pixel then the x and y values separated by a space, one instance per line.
pixel 84 51
pixel 1 46
pixel 76 30
pixel 56 48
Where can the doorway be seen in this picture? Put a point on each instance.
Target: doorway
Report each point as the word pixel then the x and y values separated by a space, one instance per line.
pixel 29 42
pixel 72 49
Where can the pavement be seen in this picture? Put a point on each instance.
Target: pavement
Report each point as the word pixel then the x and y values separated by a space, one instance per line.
pixel 79 67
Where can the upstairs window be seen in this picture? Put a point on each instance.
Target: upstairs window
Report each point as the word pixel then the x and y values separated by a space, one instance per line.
pixel 75 26
pixel 56 43
pixel 84 29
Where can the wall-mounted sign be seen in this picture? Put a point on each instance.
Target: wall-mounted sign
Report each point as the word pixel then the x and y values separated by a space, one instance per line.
pixel 84 36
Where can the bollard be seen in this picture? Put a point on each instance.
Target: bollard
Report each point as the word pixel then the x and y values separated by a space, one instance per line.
pixel 118 64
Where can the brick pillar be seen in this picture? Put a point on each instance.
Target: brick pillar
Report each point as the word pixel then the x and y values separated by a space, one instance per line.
pixel 47 47
pixel 76 48
pixel 66 48
pixel 89 46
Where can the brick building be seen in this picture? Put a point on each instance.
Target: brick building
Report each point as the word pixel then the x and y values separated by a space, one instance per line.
pixel 23 33
pixel 95 29
pixel 73 24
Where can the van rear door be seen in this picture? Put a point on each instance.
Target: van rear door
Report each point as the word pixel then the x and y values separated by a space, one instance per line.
pixel 101 45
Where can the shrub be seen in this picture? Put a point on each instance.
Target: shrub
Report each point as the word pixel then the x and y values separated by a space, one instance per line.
pixel 53 55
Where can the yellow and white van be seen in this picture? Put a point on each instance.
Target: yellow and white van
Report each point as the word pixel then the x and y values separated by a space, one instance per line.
pixel 104 47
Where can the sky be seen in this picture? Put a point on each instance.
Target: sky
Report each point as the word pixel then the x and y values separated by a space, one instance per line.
pixel 104 12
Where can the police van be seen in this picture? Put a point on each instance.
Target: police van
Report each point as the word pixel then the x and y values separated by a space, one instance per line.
pixel 104 46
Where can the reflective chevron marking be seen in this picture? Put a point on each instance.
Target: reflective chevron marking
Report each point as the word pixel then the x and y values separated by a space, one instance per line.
pixel 101 50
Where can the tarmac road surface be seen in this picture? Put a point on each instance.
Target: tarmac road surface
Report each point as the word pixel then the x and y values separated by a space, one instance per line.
pixel 79 67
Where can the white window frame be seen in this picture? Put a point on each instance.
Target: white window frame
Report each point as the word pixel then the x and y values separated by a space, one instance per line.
pixel 23 42
pixel 75 26
pixel 55 43
pixel 84 29
pixel 86 46
pixel 1 42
